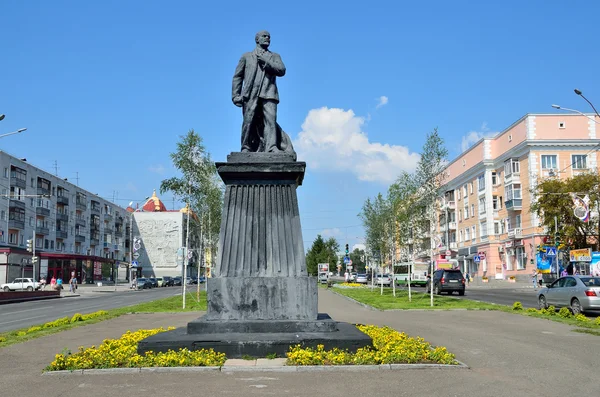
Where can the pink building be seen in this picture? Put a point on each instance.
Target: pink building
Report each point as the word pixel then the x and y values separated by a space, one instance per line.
pixel 485 208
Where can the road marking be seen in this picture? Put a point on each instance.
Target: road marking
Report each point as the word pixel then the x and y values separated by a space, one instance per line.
pixel 22 319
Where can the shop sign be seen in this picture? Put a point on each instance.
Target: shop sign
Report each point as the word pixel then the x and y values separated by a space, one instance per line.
pixel 508 244
pixel 580 255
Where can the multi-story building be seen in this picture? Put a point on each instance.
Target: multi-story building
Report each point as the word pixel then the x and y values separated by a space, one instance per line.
pixel 75 232
pixel 485 225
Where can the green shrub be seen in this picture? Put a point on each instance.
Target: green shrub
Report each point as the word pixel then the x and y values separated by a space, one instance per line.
pixel 531 310
pixel 2 338
pixel 564 312
pixel 582 318
pixel 76 317
pixel 597 322
pixel 21 333
pixel 517 306
pixel 551 311
pixel 34 329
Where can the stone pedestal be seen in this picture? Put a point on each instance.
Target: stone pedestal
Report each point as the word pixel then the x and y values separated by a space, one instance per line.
pixel 260 297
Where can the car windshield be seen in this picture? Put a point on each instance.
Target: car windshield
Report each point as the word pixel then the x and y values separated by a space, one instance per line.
pixel 453 275
pixel 141 279
pixel 361 275
pixel 591 281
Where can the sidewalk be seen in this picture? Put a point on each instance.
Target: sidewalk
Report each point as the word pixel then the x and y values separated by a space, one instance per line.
pixel 509 355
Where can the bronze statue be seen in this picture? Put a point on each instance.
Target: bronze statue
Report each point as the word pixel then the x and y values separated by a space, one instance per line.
pixel 254 89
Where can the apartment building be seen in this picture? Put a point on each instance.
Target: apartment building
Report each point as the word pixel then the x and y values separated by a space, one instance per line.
pixel 484 223
pixel 75 232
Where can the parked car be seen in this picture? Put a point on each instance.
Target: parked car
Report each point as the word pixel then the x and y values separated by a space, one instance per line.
pixel 384 279
pixel 447 280
pixel 154 282
pixel 167 281
pixel 21 284
pixel 159 281
pixel 353 276
pixel 361 278
pixel 578 293
pixel 177 281
pixel 143 283
pixel 202 280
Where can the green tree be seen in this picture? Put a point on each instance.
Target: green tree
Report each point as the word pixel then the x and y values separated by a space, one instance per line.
pixel 376 218
pixel 554 199
pixel 358 260
pixel 199 185
pixel 322 251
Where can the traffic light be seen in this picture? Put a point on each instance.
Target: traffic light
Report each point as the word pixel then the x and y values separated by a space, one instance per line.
pixel 556 240
pixel 34 259
pixel 347 250
pixel 30 245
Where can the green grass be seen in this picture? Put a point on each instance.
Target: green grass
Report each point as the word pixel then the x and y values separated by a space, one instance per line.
pixel 420 300
pixel 587 331
pixel 167 305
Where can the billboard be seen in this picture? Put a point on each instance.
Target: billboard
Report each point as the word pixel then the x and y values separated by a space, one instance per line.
pixel 323 267
pixel 581 255
pixel 544 262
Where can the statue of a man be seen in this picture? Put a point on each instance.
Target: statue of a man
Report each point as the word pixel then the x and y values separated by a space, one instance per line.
pixel 254 90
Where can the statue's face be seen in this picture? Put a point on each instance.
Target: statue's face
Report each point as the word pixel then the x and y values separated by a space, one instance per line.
pixel 263 39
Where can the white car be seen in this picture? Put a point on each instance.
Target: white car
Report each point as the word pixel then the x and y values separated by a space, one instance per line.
pixel 20 284
pixel 384 279
pixel 361 278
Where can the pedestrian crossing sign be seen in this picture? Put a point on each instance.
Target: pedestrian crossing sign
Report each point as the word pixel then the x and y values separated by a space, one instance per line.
pixel 551 251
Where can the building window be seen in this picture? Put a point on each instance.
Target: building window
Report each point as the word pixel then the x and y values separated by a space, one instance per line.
pixel 46 244
pixel 31 221
pixel 13 237
pixel 497 228
pixel 3 215
pixel 467 211
pixel 481 182
pixel 467 234
pixel 32 182
pixel 518 221
pixel 511 166
pixel 6 172
pixel 483 229
pixel 471 187
pixel 494 178
pixel 513 191
pixel 460 216
pixel 548 161
pixel 4 194
pixel 482 205
pixel 579 161
pixel 458 193
pixel 460 236
pixel 473 232
pixel 465 193
pixel 497 203
pixel 472 209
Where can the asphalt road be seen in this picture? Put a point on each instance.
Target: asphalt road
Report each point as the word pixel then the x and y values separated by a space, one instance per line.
pixel 503 296
pixel 26 314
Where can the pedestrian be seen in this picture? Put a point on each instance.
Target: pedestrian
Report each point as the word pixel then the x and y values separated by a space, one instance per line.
pixel 534 277
pixel 468 278
pixel 59 283
pixel 564 273
pixel 43 283
pixel 71 285
pixel 53 283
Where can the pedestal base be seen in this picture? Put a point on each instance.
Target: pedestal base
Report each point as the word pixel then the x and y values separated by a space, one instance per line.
pixel 218 336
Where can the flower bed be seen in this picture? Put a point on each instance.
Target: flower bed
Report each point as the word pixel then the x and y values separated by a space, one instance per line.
pixel 389 347
pixel 348 285
pixel 122 353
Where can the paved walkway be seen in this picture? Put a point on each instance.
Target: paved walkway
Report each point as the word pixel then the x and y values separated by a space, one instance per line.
pixel 509 355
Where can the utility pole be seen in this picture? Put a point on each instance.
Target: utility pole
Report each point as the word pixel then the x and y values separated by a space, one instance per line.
pixel 431 220
pixel 187 243
pixel 556 244
pixel 199 260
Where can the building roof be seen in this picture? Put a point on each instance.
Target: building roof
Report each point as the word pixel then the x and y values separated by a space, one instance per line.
pixel 154 204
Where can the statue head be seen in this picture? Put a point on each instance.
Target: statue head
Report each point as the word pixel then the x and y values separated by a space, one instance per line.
pixel 263 39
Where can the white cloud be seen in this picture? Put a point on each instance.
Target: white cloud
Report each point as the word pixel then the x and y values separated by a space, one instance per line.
pixel 332 140
pixel 360 246
pixel 157 169
pixel 326 233
pixel 474 136
pixel 383 100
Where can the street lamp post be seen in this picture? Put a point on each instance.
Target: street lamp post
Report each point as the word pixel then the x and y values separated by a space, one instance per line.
pixel 576 111
pixel 14 132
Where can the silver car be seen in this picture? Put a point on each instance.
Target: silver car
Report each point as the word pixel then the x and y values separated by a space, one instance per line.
pixel 361 278
pixel 579 293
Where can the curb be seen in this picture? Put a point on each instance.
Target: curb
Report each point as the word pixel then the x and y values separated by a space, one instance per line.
pixel 229 369
pixel 357 302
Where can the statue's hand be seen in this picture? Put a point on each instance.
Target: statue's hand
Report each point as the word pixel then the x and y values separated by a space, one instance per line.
pixel 238 101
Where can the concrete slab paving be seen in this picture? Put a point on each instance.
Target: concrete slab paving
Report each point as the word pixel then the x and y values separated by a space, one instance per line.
pixel 508 355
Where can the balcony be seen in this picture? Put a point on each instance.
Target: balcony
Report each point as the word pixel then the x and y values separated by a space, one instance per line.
pixel 95 210
pixel 453 245
pixel 106 245
pixel 80 205
pixel 61 234
pixel 14 203
pixel 79 238
pixel 512 178
pixel 18 182
pixel 119 233
pixel 62 200
pixel 108 229
pixel 94 226
pixel 108 217
pixel 451 205
pixel 94 241
pixel 117 247
pixel 515 233
pixel 452 225
pixel 16 224
pixel 62 217
pixel 514 204
pixel 80 221
pixel 43 191
pixel 42 230
pixel 42 211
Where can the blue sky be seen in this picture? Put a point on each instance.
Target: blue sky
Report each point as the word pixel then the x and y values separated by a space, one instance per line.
pixel 106 88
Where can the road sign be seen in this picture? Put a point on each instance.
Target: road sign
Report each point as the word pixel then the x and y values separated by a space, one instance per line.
pixel 550 251
pixel 136 255
pixel 476 259
pixel 134 263
pixel 190 254
pixel 448 252
pixel 346 260
pixel 136 246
